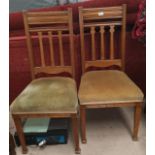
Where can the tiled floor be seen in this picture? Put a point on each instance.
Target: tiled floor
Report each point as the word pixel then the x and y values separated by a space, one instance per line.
pixel 108 133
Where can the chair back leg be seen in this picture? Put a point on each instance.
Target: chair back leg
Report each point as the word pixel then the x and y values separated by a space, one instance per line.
pixel 75 133
pixel 137 118
pixel 83 124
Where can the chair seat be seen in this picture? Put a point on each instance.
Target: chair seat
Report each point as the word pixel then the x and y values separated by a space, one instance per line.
pixel 107 87
pixel 47 95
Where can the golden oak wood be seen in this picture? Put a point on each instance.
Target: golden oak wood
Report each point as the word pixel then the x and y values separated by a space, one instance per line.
pixel 41 49
pixel 47 13
pixel 101 13
pixel 83 123
pixel 123 38
pixel 53 69
pixel 19 128
pixel 46 30
pixel 93 42
pixel 112 42
pixel 71 43
pixel 102 24
pixel 75 133
pixel 102 42
pixel 94 18
pixel 137 118
pixel 97 13
pixel 61 48
pixel 51 48
pixel 82 38
pixel 101 63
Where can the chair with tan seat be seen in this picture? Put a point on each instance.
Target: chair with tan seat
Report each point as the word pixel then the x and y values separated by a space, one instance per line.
pixel 105 88
pixel 54 96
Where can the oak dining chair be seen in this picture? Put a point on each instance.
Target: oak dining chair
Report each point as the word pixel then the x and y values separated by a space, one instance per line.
pixel 110 86
pixel 53 96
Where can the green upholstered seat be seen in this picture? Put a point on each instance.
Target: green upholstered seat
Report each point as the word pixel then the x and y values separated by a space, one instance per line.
pixel 108 86
pixel 47 95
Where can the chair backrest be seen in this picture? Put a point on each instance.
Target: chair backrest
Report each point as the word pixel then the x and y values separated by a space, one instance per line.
pixel 102 19
pixel 50 25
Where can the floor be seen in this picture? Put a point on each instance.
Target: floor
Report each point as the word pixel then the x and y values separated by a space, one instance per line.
pixel 108 133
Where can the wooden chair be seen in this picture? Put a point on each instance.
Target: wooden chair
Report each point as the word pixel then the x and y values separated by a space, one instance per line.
pixel 106 88
pixel 56 96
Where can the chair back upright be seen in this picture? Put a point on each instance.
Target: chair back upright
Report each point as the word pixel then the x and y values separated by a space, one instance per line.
pixel 49 26
pixel 101 20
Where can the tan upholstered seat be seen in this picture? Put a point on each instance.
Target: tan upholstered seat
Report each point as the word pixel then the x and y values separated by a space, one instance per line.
pixel 47 95
pixel 109 86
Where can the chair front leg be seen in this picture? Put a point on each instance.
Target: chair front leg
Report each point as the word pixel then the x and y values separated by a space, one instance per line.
pixel 137 119
pixel 75 133
pixel 18 124
pixel 83 124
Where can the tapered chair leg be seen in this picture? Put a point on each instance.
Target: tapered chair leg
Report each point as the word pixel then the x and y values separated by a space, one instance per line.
pixel 83 124
pixel 75 133
pixel 20 133
pixel 137 119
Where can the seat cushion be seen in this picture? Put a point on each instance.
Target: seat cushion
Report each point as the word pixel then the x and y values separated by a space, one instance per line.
pixel 47 95
pixel 109 86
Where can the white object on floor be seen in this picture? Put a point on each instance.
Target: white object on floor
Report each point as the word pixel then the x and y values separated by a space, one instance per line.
pixel 36 125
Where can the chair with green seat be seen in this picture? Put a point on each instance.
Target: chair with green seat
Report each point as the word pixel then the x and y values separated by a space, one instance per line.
pixel 54 96
pixel 107 88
